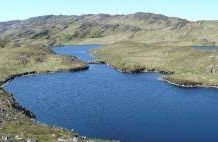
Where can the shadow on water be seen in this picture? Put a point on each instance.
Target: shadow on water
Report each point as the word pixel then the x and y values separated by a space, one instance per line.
pixel 104 103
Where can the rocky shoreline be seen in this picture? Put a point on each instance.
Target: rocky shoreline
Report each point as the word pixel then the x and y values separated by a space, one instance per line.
pixel 188 84
pixel 15 104
pixel 13 115
pixel 15 111
pixel 95 62
pixel 137 69
pixel 166 78
pixel 12 77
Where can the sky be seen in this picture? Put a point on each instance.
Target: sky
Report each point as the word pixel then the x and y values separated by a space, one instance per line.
pixel 187 9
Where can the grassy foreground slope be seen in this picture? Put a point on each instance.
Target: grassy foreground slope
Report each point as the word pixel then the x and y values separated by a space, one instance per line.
pixel 186 66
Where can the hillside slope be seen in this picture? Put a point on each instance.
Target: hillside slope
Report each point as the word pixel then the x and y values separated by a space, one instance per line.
pixel 103 28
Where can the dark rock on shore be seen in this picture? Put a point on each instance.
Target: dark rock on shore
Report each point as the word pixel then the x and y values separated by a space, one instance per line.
pixel 182 83
pixel 96 62
pixel 18 107
pixel 11 112
pixel 11 77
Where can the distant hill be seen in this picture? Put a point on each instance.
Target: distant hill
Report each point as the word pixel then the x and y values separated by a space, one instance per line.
pixel 104 28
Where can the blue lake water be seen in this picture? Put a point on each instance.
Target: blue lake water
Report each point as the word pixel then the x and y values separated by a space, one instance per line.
pixel 104 103
pixel 206 48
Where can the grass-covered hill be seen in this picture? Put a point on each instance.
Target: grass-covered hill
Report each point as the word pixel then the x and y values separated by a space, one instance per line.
pixel 183 65
pixel 103 28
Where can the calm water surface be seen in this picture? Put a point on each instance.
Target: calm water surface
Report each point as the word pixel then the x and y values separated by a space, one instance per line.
pixel 104 103
pixel 206 48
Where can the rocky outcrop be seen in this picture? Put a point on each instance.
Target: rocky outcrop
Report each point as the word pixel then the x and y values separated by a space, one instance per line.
pixel 16 107
pixel 147 16
pixel 12 111
pixel 96 62
pixel 85 26
pixel 11 77
pixel 183 83
pixel 41 34
pixel 97 30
